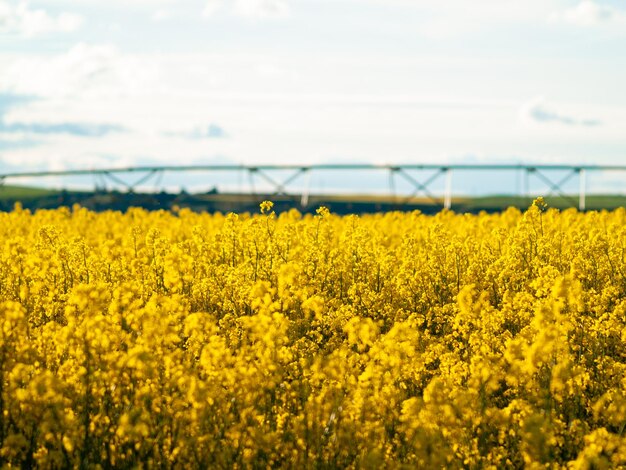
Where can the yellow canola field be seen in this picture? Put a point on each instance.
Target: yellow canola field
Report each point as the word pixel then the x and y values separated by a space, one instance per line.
pixel 184 340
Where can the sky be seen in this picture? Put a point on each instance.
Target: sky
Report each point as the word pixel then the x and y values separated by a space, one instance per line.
pixel 87 83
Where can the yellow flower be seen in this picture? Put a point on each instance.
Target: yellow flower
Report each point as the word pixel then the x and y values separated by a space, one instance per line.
pixel 266 206
pixel 384 341
pixel 322 211
pixel 540 203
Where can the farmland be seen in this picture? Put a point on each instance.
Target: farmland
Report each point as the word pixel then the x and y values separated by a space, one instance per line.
pixel 101 200
pixel 183 339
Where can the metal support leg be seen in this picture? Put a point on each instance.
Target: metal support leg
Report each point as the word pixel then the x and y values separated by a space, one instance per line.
pixel 447 203
pixel 280 187
pixel 251 172
pixel 159 179
pixel 421 187
pixel 392 185
pixel 130 187
pixel 304 200
pixel 527 185
pixel 556 188
pixel 582 195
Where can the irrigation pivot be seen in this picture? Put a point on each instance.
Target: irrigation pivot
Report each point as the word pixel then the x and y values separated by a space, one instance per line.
pixel 142 175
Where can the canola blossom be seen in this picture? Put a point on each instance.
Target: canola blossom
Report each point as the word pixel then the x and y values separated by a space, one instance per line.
pixel 397 340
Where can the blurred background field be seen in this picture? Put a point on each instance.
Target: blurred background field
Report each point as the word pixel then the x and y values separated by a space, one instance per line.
pixel 40 198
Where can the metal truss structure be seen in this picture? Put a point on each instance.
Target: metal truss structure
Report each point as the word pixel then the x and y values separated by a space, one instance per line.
pixel 411 173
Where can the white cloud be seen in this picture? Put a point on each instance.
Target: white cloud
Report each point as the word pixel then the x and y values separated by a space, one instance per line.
pixel 211 131
pixel 262 8
pixel 161 15
pixel 84 70
pixel 539 112
pixel 590 13
pixel 22 20
pixel 211 7
pixel 272 106
pixel 250 8
pixel 454 18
